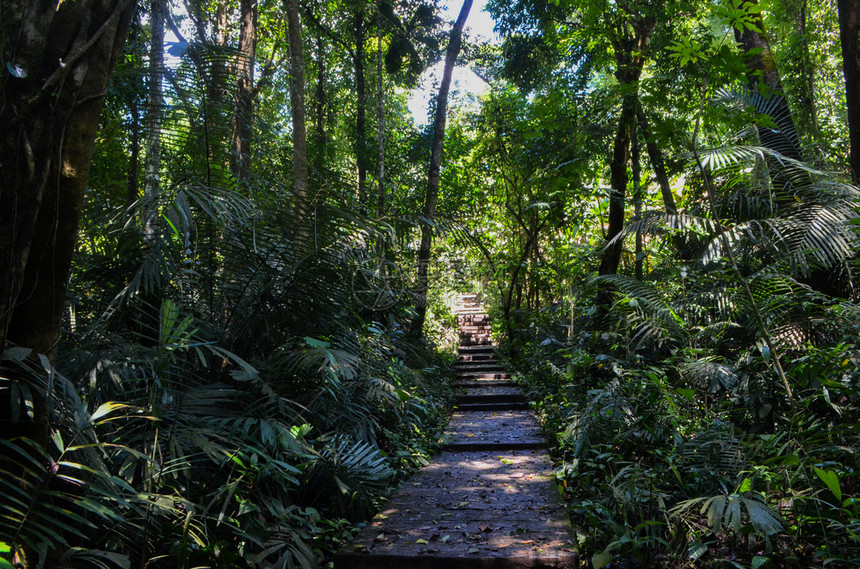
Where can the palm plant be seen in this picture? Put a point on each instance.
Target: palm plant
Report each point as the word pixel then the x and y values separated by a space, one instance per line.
pixel 54 492
pixel 229 404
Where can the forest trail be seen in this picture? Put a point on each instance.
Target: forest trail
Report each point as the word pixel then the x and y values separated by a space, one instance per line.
pixel 489 500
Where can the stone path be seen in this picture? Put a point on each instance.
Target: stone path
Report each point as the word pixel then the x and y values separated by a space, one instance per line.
pixel 489 501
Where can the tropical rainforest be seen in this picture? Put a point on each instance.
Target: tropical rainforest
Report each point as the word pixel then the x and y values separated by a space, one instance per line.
pixel 229 260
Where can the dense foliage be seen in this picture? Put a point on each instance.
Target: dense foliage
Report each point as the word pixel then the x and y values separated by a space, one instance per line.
pixel 708 416
pixel 654 198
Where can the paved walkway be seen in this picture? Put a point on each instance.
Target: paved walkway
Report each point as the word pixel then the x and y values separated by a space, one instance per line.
pixel 489 500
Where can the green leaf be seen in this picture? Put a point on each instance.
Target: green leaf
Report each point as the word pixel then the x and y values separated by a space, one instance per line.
pixel 831 479
pixel 762 517
pixel 688 394
pixel 6 556
pixel 696 549
pixel 107 408
pixel 600 560
pixel 57 437
pixel 314 343
pixel 759 561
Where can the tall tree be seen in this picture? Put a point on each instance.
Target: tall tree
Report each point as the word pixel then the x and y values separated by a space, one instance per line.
pixel 631 38
pixel 358 57
pixel 849 31
pixel 657 163
pixel 453 50
pixel 763 76
pixel 243 110
pixel 61 56
pixel 134 135
pixel 154 101
pixel 799 67
pixel 380 117
pixel 297 104
pixel 320 109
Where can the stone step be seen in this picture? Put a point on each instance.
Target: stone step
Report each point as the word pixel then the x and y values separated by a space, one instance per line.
pixel 467 511
pixel 470 310
pixel 467 375
pixel 472 339
pixel 475 330
pixel 476 350
pixel 483 373
pixel 473 320
pixel 489 395
pixel 484 383
pixel 479 375
pixel 490 429
pixel 476 358
pixel 473 336
pixel 493 406
pixel 486 365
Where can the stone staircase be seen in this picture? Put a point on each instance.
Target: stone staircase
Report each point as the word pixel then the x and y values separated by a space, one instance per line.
pixel 489 500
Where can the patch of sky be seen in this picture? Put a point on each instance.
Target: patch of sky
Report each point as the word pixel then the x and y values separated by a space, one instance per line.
pixel 466 86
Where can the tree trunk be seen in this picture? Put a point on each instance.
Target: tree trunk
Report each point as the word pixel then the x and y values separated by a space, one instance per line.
pixel 436 166
pixel 618 187
pixel 297 103
pixel 154 102
pixel 360 105
pixel 637 199
pixel 849 31
pixel 64 56
pixel 801 72
pixel 630 53
pixel 763 76
pixel 320 154
pixel 133 184
pixel 380 117
pixel 243 112
pixel 132 187
pixel 51 115
pixel 657 163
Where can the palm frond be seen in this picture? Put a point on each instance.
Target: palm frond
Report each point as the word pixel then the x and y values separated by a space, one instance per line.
pixel 710 375
pixel 774 115
pixel 654 318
